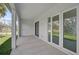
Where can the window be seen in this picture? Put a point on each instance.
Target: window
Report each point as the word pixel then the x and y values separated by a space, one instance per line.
pixel 37 28
pixel 69 32
pixel 49 29
pixel 55 29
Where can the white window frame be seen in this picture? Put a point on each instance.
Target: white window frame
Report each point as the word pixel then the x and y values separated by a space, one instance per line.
pixel 60 46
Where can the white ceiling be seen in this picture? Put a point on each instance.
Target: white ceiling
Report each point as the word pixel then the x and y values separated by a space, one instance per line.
pixel 28 11
pixel 31 10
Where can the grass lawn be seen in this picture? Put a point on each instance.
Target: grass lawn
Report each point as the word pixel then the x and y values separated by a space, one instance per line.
pixel 5 45
pixel 66 36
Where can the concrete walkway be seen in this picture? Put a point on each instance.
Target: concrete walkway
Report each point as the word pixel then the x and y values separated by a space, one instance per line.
pixel 32 46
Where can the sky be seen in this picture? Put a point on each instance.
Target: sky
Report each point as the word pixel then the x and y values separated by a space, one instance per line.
pixel 7 17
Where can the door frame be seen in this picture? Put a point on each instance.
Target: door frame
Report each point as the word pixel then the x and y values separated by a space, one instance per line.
pixel 37 30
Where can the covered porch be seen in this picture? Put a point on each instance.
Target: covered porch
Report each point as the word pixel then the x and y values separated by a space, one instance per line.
pixel 30 45
pixel 35 29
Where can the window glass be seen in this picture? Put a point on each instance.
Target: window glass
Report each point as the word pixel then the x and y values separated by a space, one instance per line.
pixel 69 26
pixel 55 29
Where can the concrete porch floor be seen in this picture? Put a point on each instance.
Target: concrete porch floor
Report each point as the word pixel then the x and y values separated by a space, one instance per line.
pixel 30 45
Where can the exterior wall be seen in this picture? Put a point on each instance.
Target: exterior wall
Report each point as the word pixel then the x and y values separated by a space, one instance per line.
pixel 44 18
pixel 43 24
pixel 27 27
pixel 42 28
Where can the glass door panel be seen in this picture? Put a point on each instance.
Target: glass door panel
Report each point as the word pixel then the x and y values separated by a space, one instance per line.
pixel 69 32
pixel 55 29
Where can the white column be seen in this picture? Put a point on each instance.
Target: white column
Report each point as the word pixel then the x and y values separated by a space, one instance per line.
pixel 13 30
pixel 51 29
pixel 19 25
pixel 77 30
pixel 61 29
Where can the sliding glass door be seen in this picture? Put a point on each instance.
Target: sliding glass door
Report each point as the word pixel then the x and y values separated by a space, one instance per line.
pixel 69 32
pixel 55 29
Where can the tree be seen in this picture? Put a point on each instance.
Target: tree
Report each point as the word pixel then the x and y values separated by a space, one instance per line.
pixel 1 28
pixel 2 10
pixel 2 13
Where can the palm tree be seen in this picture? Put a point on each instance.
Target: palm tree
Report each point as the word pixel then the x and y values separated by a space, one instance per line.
pixel 2 10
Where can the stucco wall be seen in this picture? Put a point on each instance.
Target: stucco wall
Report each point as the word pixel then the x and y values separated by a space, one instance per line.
pixel 57 10
pixel 27 27
pixel 50 13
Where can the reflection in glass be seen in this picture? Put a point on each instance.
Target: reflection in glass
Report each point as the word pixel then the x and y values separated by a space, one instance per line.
pixel 69 26
pixel 55 29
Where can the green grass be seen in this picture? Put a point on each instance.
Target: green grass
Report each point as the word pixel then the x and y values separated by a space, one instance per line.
pixel 70 37
pixel 3 39
pixel 66 36
pixel 5 45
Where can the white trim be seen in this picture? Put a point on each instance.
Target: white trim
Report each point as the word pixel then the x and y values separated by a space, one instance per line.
pixel 51 29
pixel 78 30
pixel 13 31
pixel 70 52
pixel 60 46
pixel 61 29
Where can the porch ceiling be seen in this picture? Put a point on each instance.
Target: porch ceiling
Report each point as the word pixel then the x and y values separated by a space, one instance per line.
pixel 28 11
pixel 31 10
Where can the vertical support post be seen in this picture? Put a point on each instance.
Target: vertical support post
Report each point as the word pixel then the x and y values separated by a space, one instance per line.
pixel 13 29
pixel 61 29
pixel 77 30
pixel 51 29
